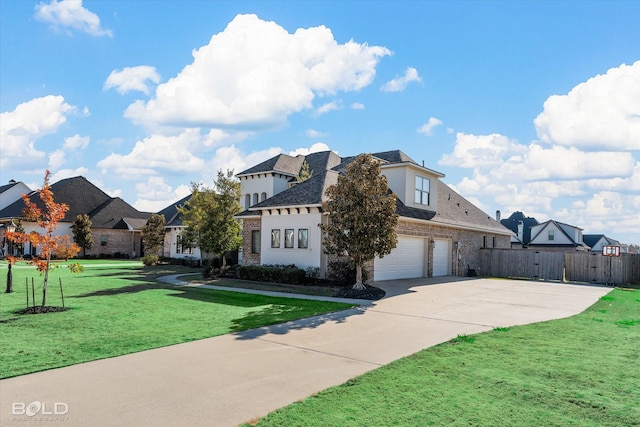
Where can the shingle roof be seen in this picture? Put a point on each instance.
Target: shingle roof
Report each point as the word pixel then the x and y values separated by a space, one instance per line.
pixel 172 217
pixel 5 187
pixel 82 197
pixel 527 222
pixel 282 163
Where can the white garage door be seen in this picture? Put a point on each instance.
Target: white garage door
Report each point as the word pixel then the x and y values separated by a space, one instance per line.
pixel 441 257
pixel 404 262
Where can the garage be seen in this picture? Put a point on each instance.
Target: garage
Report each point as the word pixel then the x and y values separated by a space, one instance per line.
pixel 406 261
pixel 441 257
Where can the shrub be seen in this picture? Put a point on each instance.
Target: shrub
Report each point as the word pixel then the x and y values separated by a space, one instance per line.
pixel 287 274
pixel 150 260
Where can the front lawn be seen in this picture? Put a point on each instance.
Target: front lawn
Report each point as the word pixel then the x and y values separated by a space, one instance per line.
pixel 117 307
pixel 579 371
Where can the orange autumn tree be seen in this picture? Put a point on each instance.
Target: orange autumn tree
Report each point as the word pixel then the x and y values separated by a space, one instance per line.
pixel 47 218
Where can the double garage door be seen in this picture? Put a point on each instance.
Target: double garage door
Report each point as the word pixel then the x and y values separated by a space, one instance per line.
pixel 408 260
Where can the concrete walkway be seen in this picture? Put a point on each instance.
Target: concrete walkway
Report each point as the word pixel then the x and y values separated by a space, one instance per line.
pixel 227 380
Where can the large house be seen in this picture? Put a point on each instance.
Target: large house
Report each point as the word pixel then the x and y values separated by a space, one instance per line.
pixel 440 233
pixel 116 225
pixel 174 246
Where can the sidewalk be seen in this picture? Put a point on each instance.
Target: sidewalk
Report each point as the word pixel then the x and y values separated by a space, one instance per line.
pixel 231 379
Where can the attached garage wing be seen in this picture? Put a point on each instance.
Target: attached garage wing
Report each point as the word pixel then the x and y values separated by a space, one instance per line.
pixel 406 261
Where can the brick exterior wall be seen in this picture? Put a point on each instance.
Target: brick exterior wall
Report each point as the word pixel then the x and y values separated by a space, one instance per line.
pixel 249 225
pixel 469 244
pixel 124 242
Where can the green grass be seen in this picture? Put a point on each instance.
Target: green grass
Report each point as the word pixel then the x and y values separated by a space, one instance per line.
pixel 120 309
pixel 580 371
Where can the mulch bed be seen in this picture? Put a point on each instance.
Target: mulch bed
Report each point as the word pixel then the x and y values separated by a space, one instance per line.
pixel 370 293
pixel 41 310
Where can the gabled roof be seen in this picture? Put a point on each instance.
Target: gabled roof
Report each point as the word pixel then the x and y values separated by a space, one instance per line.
pixel 281 163
pixel 82 197
pixel 172 217
pixel 453 209
pixel 559 226
pixel 8 186
pixel 592 239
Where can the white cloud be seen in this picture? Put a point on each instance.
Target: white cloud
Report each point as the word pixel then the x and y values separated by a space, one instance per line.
pixel 155 194
pixel 604 111
pixel 132 78
pixel 30 121
pixel 68 173
pixel 357 106
pixel 254 74
pixel 329 106
pixel 312 133
pixel 315 148
pixel 472 151
pixel 427 128
pixel 76 142
pixel 56 159
pixel 400 83
pixel 69 14
pixel 171 154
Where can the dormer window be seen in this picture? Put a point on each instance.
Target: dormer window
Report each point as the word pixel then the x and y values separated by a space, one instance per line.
pixel 422 191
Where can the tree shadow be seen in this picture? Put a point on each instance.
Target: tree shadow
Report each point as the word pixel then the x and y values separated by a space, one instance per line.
pixel 245 330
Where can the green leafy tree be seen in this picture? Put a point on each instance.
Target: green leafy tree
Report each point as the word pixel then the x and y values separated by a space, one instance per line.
pixel 153 233
pixel 362 215
pixel 305 174
pixel 209 216
pixel 81 229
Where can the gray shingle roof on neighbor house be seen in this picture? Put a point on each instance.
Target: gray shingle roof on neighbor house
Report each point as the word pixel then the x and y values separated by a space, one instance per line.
pixel 453 209
pixel 6 187
pixel 83 197
pixel 172 217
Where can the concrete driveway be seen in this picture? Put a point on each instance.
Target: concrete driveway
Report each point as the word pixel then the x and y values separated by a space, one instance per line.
pixel 231 379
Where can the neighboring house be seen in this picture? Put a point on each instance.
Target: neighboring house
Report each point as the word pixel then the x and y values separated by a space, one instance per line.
pixel 521 227
pixel 440 233
pixel 116 225
pixel 11 192
pixel 173 244
pixel 553 235
pixel 597 241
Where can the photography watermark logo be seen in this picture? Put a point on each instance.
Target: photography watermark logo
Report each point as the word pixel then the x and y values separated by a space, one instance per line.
pixel 37 410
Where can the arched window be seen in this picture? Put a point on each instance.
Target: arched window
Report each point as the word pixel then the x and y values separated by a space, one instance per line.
pixel 255 198
pixel 247 201
pixel 263 197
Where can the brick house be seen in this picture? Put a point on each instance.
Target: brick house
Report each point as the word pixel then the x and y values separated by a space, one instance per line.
pixel 440 233
pixel 116 225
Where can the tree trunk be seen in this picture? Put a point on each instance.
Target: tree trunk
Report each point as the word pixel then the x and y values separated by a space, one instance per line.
pixel 358 285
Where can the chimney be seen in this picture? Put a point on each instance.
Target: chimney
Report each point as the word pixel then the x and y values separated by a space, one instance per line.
pixel 521 231
pixel 498 215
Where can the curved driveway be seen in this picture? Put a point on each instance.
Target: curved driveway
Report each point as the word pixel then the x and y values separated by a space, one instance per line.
pixel 230 379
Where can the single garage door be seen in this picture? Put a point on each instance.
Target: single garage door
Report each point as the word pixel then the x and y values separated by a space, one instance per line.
pixel 404 262
pixel 441 257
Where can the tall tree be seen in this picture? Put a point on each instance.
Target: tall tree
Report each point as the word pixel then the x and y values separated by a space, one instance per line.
pixel 362 215
pixel 153 233
pixel 210 216
pixel 81 228
pixel 47 219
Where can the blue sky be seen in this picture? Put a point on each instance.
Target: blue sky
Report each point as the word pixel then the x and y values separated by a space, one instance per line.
pixel 530 106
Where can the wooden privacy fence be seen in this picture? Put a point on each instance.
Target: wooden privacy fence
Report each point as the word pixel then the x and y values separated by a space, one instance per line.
pixel 570 266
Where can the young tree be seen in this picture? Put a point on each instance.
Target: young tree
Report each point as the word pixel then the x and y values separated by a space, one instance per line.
pixel 304 175
pixel 153 233
pixel 210 216
pixel 81 229
pixel 362 215
pixel 47 219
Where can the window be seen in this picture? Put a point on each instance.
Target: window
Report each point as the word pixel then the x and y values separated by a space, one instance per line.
pixel 422 190
pixel 103 240
pixel 552 235
pixel 263 197
pixel 288 238
pixel 255 198
pixel 182 246
pixel 275 238
pixel 247 201
pixel 255 241
pixel 303 238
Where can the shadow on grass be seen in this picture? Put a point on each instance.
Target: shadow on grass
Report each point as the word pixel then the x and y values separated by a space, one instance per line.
pixel 251 322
